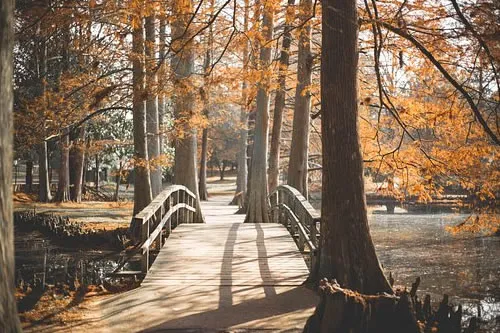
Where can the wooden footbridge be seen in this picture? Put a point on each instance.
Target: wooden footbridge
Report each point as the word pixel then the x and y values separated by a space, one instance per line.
pixel 222 275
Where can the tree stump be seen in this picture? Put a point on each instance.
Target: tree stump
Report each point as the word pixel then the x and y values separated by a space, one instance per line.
pixel 343 310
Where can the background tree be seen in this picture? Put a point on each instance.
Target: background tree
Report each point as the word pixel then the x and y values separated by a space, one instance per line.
pixel 142 182
pixel 258 202
pixel 299 148
pixel 185 170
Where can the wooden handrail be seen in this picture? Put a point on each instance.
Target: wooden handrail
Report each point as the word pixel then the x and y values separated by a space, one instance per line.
pixel 173 206
pixel 290 208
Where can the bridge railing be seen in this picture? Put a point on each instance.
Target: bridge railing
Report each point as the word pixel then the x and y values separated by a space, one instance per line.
pixel 175 205
pixel 290 208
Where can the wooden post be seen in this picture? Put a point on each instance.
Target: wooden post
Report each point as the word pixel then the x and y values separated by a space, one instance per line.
pixel 144 237
pixel 280 210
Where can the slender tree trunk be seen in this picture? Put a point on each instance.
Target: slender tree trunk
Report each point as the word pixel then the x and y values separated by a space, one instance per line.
pixel 185 170
pixel 258 202
pixel 162 100
pixel 346 250
pixel 152 126
pixel 29 176
pixel 97 176
pixel 9 322
pixel 205 97
pixel 298 163
pixel 279 102
pixel 203 166
pixel 77 159
pixel 142 182
pixel 242 175
pixel 118 179
pixel 63 181
pixel 44 194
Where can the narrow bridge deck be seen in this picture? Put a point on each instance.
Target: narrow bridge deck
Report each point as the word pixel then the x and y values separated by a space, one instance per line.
pixel 218 277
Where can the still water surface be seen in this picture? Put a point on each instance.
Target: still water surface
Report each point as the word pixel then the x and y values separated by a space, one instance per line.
pixel 465 266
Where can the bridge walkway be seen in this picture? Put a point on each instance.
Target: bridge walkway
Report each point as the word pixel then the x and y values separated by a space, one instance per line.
pixel 221 276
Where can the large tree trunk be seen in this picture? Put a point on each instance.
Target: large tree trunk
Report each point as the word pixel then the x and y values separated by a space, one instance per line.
pixel 346 250
pixel 44 194
pixel 63 183
pixel 298 163
pixel 152 126
pixel 77 159
pixel 185 170
pixel 203 166
pixel 142 182
pixel 9 322
pixel 279 101
pixel 258 202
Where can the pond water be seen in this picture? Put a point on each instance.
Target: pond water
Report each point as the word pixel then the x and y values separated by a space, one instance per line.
pixel 40 260
pixel 464 266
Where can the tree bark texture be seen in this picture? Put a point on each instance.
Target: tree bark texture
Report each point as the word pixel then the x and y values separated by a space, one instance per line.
pixel 162 100
pixel 342 310
pixel 205 97
pixel 29 176
pixel 346 249
pixel 77 159
pixel 62 194
pixel 185 169
pixel 242 173
pixel 9 322
pixel 203 166
pixel 44 194
pixel 152 123
pixel 298 162
pixel 279 102
pixel 258 202
pixel 142 183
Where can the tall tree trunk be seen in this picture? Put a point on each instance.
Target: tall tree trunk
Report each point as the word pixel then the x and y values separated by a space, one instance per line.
pixel 152 107
pixel 142 182
pixel 97 176
pixel 203 166
pixel 258 202
pixel 185 170
pixel 241 176
pixel 63 172
pixel 29 176
pixel 118 179
pixel 162 100
pixel 346 250
pixel 77 158
pixel 9 321
pixel 279 102
pixel 298 163
pixel 44 194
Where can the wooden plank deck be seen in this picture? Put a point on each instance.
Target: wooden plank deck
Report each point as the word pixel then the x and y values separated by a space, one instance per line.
pixel 221 276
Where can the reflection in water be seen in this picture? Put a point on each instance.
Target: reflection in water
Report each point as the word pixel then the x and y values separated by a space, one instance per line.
pixel 466 267
pixel 39 261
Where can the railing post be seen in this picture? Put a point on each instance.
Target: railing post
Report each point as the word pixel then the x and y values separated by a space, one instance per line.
pixel 281 213
pixel 144 237
pixel 192 203
pixel 169 221
pixel 177 213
